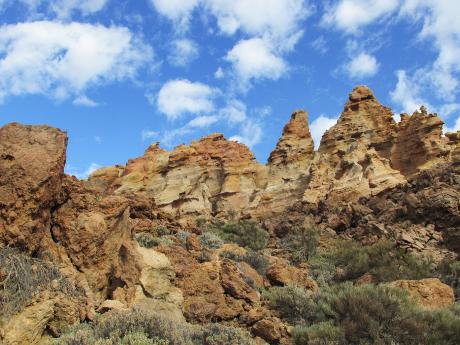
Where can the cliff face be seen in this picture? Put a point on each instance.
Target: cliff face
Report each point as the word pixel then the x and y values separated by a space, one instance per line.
pixel 365 153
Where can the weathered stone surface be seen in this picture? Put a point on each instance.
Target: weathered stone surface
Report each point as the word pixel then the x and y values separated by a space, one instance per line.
pixel 279 272
pixel 419 143
pixel 28 326
pixel 429 293
pixel 270 330
pixel 32 162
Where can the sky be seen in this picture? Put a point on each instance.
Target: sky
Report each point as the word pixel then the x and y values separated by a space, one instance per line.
pixel 118 75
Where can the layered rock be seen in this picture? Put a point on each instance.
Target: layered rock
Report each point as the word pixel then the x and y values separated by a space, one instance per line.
pixel 421 136
pixel 208 178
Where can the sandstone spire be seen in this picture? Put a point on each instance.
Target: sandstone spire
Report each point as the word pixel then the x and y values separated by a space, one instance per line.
pixel 363 119
pixel 295 147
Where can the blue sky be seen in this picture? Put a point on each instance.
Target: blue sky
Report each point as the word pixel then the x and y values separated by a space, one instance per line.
pixel 119 75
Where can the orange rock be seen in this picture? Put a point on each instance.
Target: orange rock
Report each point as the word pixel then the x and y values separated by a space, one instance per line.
pixel 429 293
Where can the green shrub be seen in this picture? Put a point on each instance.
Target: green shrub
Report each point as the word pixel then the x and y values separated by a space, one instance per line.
pixel 293 303
pixel 22 278
pixel 162 231
pixel 231 256
pixel 182 236
pixel 147 240
pixel 210 240
pixel 323 333
pixel 449 272
pixel 372 314
pixel 147 328
pixel 216 334
pixel 384 261
pixel 245 233
pixel 256 261
pixel 302 243
pixel 444 326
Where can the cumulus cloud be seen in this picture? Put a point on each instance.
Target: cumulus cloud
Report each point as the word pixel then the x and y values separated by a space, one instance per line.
pixel 406 94
pixel 59 60
pixel 279 19
pixel 183 51
pixel 439 18
pixel 62 9
pixel 250 135
pixel 352 15
pixel 181 96
pixel 362 65
pixel 254 59
pixel 319 126
pixel 178 11
pixel 234 112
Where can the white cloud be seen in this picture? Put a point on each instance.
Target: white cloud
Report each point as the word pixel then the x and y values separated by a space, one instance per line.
pixel 361 66
pixel 320 45
pixel 183 52
pixel 85 101
pixel 178 11
pixel 278 19
pixel 219 74
pixel 455 128
pixel 98 139
pixel 254 59
pixel 179 97
pixel 407 94
pixel 148 134
pixel 234 112
pixel 64 8
pixel 352 15
pixel 59 60
pixel 203 121
pixel 250 135
pixel 440 23
pixel 319 126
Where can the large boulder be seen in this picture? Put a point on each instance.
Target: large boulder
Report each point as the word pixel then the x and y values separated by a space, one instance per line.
pixel 429 293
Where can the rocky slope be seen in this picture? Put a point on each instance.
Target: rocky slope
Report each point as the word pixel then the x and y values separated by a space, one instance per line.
pixel 372 178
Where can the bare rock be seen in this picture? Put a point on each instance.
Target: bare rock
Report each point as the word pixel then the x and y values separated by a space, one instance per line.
pixel 429 293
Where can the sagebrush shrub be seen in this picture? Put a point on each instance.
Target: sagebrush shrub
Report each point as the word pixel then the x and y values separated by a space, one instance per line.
pixel 24 277
pixel 246 233
pixel 302 243
pixel 142 327
pixel 323 333
pixel 210 240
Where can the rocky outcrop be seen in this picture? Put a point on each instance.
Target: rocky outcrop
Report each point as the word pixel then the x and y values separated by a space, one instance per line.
pixel 421 136
pixel 429 293
pixel 32 160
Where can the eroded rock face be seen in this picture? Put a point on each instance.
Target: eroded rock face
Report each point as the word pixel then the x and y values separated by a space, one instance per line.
pixel 429 293
pixel 421 136
pixel 32 160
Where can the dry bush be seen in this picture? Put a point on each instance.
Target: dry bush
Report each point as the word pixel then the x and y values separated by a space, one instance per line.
pixel 22 278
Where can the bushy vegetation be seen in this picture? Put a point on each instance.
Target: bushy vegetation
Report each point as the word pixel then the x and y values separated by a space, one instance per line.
pixel 246 233
pixel 147 240
pixel 210 240
pixel 449 272
pixel 302 243
pixel 364 314
pixel 140 327
pixel 22 278
pixel 384 261
pixel 252 258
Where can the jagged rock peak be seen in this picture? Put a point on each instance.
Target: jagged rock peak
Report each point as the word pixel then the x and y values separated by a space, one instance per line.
pixel 361 93
pixel 363 119
pixel 296 143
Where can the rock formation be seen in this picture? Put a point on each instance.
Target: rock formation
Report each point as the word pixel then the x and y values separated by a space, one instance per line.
pixel 372 178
